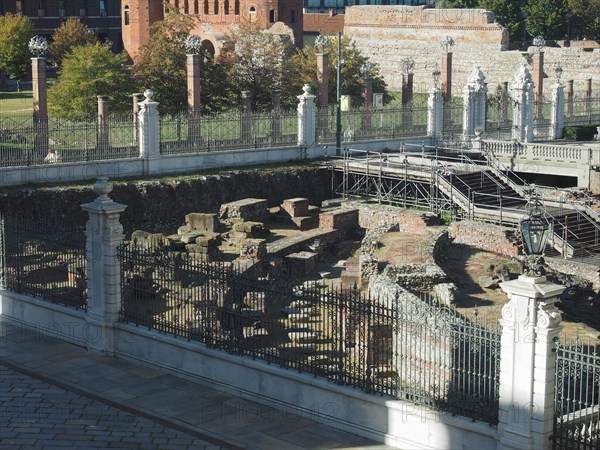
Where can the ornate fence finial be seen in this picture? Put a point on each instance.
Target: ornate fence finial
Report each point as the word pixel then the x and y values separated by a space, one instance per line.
pixel 436 74
pixel 558 71
pixel 103 187
pixel 322 43
pixel 408 64
pixel 193 44
pixel 539 42
pixel 447 43
pixel 38 46
pixel 366 69
pixel 149 93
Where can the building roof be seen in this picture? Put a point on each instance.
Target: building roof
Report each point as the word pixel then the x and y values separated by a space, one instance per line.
pixel 323 23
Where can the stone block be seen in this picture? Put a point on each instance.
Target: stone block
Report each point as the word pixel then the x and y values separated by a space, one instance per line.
pixel 190 238
pixel 342 219
pixel 295 207
pixel 253 248
pixel 202 222
pixel 140 238
pixel 306 222
pixel 249 209
pixel 250 228
pixel 302 263
pixel 444 292
pixel 314 210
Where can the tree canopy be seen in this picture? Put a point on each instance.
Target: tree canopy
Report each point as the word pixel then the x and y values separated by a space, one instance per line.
pixel 161 64
pixel 303 70
pixel 256 62
pixel 70 34
pixel 15 32
pixel 89 71
pixel 546 18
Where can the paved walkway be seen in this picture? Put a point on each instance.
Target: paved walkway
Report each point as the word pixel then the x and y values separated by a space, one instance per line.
pixel 57 395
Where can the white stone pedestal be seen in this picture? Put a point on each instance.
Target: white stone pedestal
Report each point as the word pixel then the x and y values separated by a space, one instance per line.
pixel 530 323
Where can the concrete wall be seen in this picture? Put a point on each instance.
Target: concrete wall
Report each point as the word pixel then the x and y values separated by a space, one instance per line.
pixel 394 422
pixel 47 318
pixel 177 164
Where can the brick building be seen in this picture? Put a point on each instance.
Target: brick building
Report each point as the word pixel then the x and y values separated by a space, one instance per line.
pixel 213 19
pixel 103 16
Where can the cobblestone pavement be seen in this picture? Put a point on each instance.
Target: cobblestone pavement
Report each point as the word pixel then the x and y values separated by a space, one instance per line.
pixel 37 415
pixel 58 395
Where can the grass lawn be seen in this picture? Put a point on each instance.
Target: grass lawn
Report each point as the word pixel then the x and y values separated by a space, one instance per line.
pixel 15 103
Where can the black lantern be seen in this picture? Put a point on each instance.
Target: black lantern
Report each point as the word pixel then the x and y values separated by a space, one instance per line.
pixel 535 228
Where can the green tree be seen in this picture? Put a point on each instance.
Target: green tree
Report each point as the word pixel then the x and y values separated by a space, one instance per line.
pixel 89 71
pixel 161 64
pixel 15 32
pixel 546 18
pixel 586 18
pixel 256 62
pixel 508 14
pixel 303 70
pixel 71 33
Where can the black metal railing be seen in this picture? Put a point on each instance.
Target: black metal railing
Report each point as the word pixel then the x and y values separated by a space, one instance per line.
pixel 191 132
pixel 361 124
pixel 582 109
pixel 26 142
pixel 44 260
pixel 413 349
pixel 577 401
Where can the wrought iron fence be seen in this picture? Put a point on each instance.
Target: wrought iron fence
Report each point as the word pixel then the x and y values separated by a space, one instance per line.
pixel 581 109
pixel 453 115
pixel 45 260
pixel 499 116
pixel 410 349
pixel 25 141
pixel 190 132
pixel 361 124
pixel 577 396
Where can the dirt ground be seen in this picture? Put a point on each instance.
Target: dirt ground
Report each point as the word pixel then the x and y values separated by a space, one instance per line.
pixel 464 265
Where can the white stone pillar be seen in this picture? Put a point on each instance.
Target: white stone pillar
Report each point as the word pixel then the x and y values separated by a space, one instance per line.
pixel 104 234
pixel 306 118
pixel 149 133
pixel 474 103
pixel 522 97
pixel 435 113
pixel 557 114
pixel 530 323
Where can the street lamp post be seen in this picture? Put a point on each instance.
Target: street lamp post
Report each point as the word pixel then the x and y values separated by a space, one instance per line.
pixel 338 117
pixel 535 228
pixel 568 39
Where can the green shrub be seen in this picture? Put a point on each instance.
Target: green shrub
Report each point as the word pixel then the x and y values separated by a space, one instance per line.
pixel 585 133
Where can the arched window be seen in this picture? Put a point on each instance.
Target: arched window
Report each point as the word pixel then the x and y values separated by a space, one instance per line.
pixel 293 16
pixel 252 13
pixel 206 7
pixel 216 7
pixel 186 8
pixel 272 16
pixel 126 15
pixel 236 5
pixel 226 7
pixel 196 7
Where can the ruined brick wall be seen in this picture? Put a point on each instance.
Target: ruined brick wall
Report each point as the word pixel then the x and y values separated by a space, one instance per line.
pixel 389 34
pixel 493 238
pixel 373 216
pixel 589 272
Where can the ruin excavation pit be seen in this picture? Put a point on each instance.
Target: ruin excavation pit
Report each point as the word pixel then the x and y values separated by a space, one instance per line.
pixel 353 247
pixel 410 247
